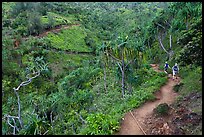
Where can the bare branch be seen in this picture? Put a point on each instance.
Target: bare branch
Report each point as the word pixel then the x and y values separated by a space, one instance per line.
pixel 9 122
pixel 19 109
pixel 160 25
pixel 129 62
pixel 55 118
pixel 73 128
pixel 113 57
pixel 162 45
pixel 51 116
pixel 170 41
pixel 84 121
pixel 5 116
pixel 104 77
pixel 24 83
pixel 19 104
pixel 122 44
pixel 28 81
pixel 120 67
pixel 15 124
pixel 168 23
pixel 14 132
pixel 46 132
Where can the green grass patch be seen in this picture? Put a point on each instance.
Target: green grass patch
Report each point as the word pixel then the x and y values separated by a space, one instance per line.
pixel 58 19
pixel 72 39
pixel 61 62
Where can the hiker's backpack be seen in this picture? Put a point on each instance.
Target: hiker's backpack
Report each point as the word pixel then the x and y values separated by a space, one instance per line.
pixel 166 65
pixel 175 68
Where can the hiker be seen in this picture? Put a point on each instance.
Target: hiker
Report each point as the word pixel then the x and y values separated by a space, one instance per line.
pixel 175 69
pixel 166 66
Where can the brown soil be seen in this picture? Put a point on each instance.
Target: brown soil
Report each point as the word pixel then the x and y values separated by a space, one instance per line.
pixel 54 30
pixel 135 124
pixel 180 120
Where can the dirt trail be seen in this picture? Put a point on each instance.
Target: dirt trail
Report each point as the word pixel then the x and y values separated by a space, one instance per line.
pixel 55 30
pixel 166 94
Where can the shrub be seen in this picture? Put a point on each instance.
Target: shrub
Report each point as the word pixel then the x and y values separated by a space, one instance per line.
pixel 35 25
pixel 162 109
pixel 100 124
pixel 178 87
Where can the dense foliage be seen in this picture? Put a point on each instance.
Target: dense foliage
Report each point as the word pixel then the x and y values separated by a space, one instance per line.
pixel 81 66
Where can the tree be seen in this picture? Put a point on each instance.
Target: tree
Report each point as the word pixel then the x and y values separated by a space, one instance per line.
pixel 34 23
pixel 104 58
pixel 17 123
pixel 121 52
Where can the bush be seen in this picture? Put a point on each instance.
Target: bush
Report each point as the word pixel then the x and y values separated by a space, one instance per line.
pixel 192 45
pixel 178 87
pixel 100 124
pixel 79 78
pixel 35 25
pixel 162 109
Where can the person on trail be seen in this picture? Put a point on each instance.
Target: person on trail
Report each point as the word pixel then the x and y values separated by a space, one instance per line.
pixel 166 66
pixel 175 69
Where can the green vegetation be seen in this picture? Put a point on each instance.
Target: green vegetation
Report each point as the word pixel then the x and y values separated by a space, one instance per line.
pixel 191 79
pixel 72 39
pixel 53 19
pixel 162 109
pixel 62 62
pixel 94 66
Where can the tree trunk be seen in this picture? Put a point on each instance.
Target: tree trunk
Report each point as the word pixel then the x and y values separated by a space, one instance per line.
pixel 171 51
pixel 170 41
pixel 123 76
pixel 105 78
pixel 19 60
pixel 187 23
pixel 171 54
pixel 162 45
pixel 130 89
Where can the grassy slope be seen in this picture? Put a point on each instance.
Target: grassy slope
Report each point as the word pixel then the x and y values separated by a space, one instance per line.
pixel 70 39
pixel 60 62
pixel 59 20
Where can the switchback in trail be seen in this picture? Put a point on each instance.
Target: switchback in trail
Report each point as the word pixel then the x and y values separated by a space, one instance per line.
pixel 56 29
pixel 134 121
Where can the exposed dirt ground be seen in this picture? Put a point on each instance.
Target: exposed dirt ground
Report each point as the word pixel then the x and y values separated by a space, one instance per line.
pixel 54 30
pixel 135 123
pixel 180 120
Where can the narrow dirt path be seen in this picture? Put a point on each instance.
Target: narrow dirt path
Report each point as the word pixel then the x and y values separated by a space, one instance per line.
pixel 55 30
pixel 133 122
